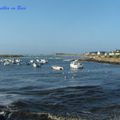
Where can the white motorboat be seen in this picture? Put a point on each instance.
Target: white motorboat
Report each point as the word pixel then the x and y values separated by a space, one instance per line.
pixel 31 61
pixel 55 67
pixel 37 60
pixel 35 65
pixel 43 61
pixel 76 64
pixel 6 63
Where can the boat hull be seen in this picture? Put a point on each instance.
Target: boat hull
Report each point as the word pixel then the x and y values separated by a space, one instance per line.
pixel 57 68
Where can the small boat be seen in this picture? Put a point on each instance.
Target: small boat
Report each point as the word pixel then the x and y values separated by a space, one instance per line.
pixel 6 63
pixel 31 61
pixel 55 67
pixel 35 65
pixel 37 60
pixel 43 61
pixel 17 60
pixel 76 64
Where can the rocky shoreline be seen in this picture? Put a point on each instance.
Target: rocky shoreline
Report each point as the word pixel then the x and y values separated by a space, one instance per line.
pixel 19 115
pixel 102 59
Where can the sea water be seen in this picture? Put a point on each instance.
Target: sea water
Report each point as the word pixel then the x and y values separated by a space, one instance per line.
pixel 91 93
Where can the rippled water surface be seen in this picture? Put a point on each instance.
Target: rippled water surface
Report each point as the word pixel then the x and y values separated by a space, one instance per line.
pixel 90 93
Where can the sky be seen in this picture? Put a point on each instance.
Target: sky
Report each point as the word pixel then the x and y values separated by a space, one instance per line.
pixel 50 26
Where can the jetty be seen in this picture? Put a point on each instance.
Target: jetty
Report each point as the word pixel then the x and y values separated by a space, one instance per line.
pixel 10 55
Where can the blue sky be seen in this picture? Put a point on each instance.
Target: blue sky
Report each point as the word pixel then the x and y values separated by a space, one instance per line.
pixel 50 26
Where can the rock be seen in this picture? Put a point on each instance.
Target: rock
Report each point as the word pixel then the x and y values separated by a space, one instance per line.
pixel 2 117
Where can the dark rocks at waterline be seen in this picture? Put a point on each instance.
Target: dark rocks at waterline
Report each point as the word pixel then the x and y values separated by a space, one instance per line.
pixel 30 116
pixel 26 116
pixel 2 117
pixel 34 116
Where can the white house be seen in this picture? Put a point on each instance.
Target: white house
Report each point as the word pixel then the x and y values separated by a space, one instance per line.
pixel 101 53
pixel 114 53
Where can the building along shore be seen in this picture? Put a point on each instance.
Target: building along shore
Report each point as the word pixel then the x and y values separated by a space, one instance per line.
pixel 112 57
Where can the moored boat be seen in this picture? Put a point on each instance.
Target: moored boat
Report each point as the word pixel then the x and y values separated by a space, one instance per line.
pixel 76 64
pixel 55 67
pixel 35 65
